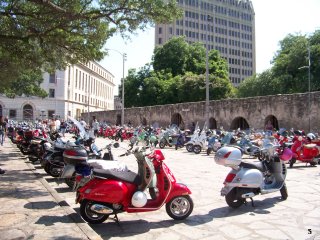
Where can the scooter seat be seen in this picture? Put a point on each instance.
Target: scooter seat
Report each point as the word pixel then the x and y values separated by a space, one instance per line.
pixel 126 176
pixel 258 165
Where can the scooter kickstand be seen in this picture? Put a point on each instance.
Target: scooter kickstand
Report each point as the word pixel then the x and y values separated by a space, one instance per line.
pixel 116 219
pixel 252 202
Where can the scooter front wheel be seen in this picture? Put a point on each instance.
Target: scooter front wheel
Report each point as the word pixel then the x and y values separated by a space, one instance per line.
pixel 233 200
pixel 162 145
pixel 284 192
pixel 291 162
pixel 189 147
pixel 179 207
pixel 70 181
pixel 90 216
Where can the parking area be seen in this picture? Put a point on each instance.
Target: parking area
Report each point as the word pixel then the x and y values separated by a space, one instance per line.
pixel 271 218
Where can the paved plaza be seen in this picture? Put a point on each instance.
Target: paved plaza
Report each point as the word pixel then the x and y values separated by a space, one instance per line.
pixel 37 206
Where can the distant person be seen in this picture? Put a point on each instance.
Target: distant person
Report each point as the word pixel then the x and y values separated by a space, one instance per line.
pixel 3 127
pixel 63 127
pixel 58 124
pixel 52 126
pixel 269 127
pixel 95 127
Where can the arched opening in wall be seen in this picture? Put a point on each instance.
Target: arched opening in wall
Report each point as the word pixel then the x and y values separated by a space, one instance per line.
pixel 27 113
pixel 273 120
pixel 177 120
pixel 144 122
pixel 239 122
pixel 1 114
pixel 118 121
pixel 212 123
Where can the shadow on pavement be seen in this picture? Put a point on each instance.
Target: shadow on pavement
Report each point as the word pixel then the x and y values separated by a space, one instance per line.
pixel 41 205
pixel 136 227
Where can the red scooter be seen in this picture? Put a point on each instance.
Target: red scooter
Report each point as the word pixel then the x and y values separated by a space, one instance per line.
pixel 111 192
pixel 304 151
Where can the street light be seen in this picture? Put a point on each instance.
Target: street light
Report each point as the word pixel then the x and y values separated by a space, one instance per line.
pixel 309 86
pixel 209 18
pixel 124 58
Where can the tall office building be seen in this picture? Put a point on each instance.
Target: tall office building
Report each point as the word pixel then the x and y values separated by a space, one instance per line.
pixel 225 25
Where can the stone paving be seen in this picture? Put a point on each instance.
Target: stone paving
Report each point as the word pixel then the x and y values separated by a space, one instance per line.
pixel 37 206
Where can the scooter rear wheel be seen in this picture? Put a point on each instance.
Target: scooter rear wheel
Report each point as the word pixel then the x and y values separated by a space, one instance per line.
pixel 232 199
pixel 90 216
pixel 197 149
pixel 180 207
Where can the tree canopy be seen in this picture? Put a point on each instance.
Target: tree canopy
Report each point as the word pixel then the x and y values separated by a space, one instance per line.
pixel 178 75
pixel 289 71
pixel 42 35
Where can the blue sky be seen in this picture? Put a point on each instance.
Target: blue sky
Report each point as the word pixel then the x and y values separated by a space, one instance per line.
pixel 275 19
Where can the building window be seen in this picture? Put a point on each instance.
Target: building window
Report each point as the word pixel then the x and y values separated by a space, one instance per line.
pixel 12 114
pixel 52 78
pixel 51 113
pixel 160 41
pixel 160 30
pixel 76 78
pixel 51 93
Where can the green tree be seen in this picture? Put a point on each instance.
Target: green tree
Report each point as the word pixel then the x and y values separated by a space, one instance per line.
pixel 289 71
pixel 172 56
pixel 47 35
pixel 178 76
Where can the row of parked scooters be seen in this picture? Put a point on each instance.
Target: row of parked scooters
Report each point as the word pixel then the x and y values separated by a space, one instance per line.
pixel 305 147
pixel 105 188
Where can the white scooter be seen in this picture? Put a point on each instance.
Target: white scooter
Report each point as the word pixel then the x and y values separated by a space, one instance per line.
pixel 247 180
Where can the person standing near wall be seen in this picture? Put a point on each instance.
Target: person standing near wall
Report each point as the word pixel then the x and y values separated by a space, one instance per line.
pixel 3 128
pixel 3 125
pixel 95 127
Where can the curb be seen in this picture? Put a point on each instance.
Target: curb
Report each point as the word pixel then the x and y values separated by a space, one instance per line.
pixel 71 213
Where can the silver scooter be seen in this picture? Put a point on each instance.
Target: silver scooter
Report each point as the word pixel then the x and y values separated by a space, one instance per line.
pixel 247 180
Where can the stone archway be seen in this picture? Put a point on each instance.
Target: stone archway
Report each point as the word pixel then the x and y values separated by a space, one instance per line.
pixel 212 123
pixel 27 112
pixel 177 120
pixel 239 122
pixel 273 120
pixel 144 121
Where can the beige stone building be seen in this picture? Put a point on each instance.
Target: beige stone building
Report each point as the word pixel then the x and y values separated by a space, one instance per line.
pixel 225 25
pixel 77 89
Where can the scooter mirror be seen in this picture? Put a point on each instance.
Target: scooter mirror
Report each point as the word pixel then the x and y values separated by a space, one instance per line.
pixel 116 145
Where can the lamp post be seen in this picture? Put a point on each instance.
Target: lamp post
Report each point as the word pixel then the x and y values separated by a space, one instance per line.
pixel 309 87
pixel 207 71
pixel 124 58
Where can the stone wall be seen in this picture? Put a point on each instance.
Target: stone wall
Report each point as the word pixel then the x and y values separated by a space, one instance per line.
pixel 289 110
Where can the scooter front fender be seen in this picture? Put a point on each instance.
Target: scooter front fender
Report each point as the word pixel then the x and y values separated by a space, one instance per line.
pixel 178 189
